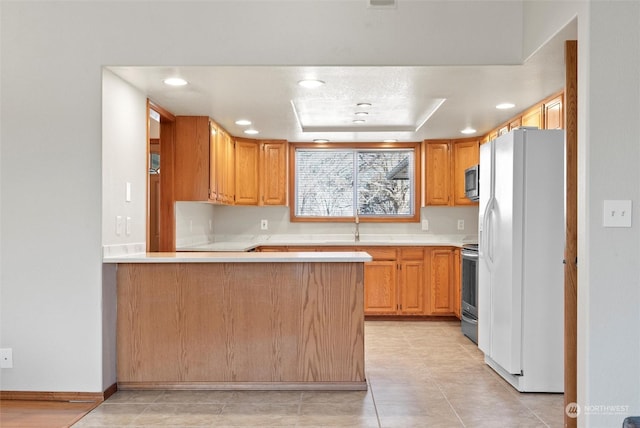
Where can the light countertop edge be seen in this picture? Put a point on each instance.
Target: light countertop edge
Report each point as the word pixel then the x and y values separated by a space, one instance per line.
pixel 240 257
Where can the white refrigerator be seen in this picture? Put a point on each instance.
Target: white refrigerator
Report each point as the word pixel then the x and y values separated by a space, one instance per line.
pixel 521 236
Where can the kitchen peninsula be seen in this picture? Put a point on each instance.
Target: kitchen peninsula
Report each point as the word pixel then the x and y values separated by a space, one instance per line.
pixel 229 320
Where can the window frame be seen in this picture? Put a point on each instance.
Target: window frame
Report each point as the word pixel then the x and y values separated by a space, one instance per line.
pixel 417 182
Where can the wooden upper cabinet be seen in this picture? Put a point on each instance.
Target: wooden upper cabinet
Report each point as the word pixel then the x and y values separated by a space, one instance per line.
pixel 192 158
pixel 247 164
pixel 515 123
pixel 533 117
pixel 437 172
pixel 465 155
pixel 554 113
pixel 273 172
pixel 445 162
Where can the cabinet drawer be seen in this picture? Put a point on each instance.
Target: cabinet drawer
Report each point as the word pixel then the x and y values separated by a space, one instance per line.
pixel 411 253
pixel 380 253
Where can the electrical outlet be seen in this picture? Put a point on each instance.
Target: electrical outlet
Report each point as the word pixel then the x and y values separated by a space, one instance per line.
pixel 6 358
pixel 617 213
pixel 425 224
pixel 264 225
pixel 460 224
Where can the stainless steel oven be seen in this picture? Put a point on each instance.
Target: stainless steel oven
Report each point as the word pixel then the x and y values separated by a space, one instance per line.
pixel 469 296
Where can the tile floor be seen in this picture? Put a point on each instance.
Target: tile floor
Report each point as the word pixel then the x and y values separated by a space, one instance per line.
pixel 420 374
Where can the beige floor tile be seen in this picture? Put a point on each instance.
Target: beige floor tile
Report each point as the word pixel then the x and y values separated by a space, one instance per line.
pixel 111 415
pixel 419 373
pixel 179 414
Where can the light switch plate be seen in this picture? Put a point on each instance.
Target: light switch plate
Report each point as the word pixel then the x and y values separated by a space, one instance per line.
pixel 616 213
pixel 127 192
pixel 6 358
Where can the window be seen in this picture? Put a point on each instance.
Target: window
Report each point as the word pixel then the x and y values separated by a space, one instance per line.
pixel 339 181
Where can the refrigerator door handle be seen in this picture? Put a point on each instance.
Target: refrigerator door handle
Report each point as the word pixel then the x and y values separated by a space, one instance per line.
pixel 488 231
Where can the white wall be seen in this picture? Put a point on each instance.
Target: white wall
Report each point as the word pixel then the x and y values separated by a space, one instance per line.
pixel 50 175
pixel 124 160
pixel 194 223
pixel 609 259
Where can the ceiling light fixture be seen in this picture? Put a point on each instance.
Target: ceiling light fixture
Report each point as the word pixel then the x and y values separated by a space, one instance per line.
pixel 364 104
pixel 390 140
pixel 468 130
pixel 175 81
pixel 358 121
pixel 361 113
pixel 320 140
pixel 250 131
pixel 243 122
pixel 310 83
pixel 505 106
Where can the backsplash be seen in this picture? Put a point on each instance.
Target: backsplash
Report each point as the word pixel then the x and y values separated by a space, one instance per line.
pixel 198 223
pixel 194 223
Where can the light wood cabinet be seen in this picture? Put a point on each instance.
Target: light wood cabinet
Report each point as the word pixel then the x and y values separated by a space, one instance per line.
pixel 533 117
pixel 247 166
pixel 260 172
pixel 411 281
pixel 437 172
pixel 442 282
pixel 273 172
pixel 465 155
pixel 445 162
pixel 554 113
pixel 194 149
pixel 224 167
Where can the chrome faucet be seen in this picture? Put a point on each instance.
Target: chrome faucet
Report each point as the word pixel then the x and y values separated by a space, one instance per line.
pixel 357 231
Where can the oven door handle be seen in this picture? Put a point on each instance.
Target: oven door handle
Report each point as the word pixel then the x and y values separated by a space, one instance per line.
pixel 469 320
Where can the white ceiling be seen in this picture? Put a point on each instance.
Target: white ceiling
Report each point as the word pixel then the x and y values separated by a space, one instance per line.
pixel 404 100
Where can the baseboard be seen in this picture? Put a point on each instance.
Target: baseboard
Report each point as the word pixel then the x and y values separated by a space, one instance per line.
pixel 246 386
pixel 90 397
pixel 411 318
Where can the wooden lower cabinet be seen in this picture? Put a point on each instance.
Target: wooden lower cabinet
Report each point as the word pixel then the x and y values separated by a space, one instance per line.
pixel 380 290
pixel 405 280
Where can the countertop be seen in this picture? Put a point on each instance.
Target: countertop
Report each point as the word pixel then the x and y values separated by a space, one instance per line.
pixel 247 243
pixel 242 257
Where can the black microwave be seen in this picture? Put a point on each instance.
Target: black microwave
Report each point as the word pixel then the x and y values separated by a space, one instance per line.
pixel 472 182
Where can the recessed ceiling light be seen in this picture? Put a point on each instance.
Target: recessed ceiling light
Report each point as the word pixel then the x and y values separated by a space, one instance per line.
pixel 320 140
pixel 175 81
pixel 358 121
pixel 505 106
pixel 468 130
pixel 364 104
pixel 390 140
pixel 361 113
pixel 250 131
pixel 310 83
pixel 243 122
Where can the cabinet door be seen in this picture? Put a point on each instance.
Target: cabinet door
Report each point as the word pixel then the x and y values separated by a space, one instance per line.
pixel 441 281
pixel 247 159
pixel 438 173
pixel 533 117
pixel 465 154
pixel 515 123
pixel 191 161
pixel 274 173
pixel 411 287
pixel 230 165
pixel 380 295
pixel 553 114
pixel 213 177
pixel 221 167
